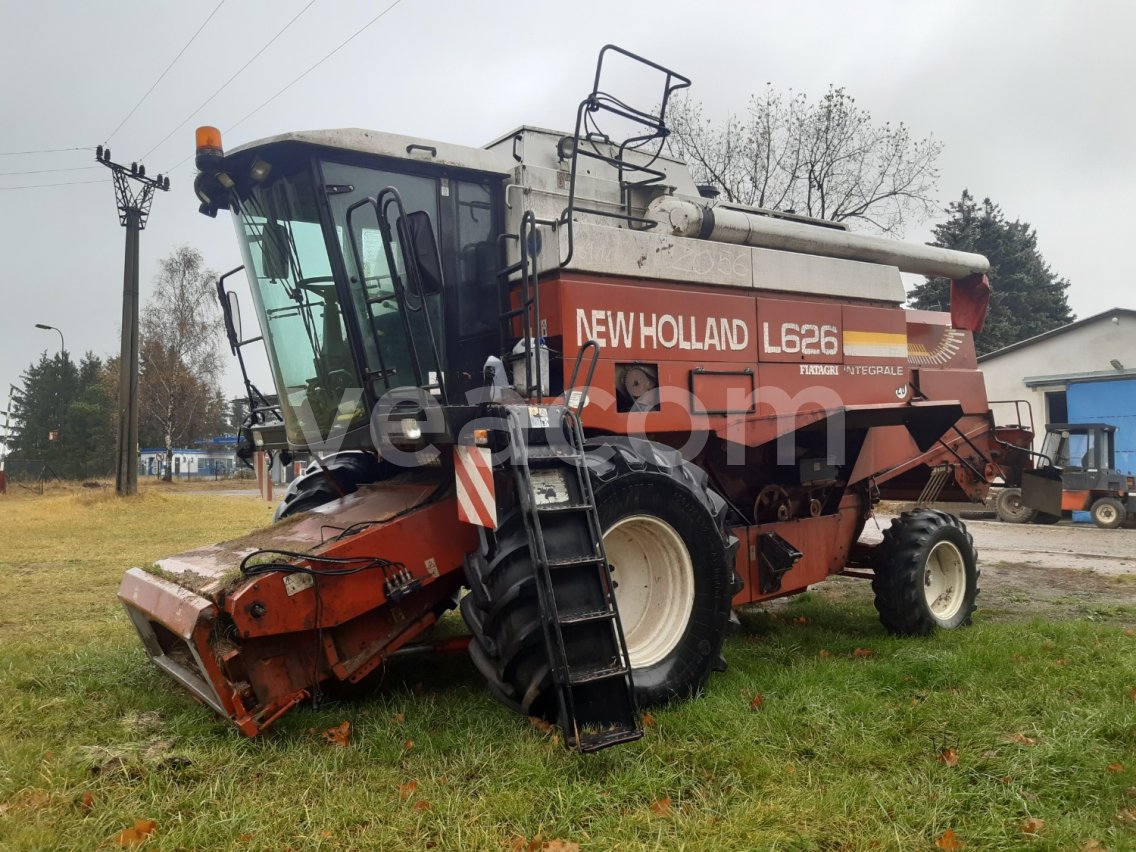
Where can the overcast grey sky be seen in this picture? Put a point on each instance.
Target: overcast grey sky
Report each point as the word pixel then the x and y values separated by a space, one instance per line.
pixel 1031 100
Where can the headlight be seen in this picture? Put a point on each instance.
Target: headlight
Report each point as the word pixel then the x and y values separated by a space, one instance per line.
pixel 411 429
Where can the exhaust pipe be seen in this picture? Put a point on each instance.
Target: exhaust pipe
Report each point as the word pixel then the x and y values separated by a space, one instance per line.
pixel 730 225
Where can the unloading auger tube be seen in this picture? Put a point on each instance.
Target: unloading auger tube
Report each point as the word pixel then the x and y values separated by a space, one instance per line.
pixel 688 218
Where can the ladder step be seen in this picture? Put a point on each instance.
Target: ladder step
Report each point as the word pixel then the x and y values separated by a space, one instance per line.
pixel 586 617
pixel 575 562
pixel 602 739
pixel 546 453
pixel 564 507
pixel 612 669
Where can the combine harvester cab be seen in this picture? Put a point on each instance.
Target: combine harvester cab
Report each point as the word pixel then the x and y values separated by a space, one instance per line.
pixel 551 380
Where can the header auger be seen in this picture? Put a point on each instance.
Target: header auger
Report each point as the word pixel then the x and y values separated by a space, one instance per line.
pixel 546 382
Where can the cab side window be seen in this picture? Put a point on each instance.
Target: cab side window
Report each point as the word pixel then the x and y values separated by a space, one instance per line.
pixel 476 260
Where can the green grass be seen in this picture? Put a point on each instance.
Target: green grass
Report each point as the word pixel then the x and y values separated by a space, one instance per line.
pixel 842 753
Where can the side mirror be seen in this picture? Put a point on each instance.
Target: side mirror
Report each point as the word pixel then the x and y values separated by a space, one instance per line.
pixel 233 320
pixel 274 242
pixel 417 232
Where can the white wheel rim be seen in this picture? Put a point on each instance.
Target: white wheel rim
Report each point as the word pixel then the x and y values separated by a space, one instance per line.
pixel 1106 513
pixel 944 580
pixel 654 585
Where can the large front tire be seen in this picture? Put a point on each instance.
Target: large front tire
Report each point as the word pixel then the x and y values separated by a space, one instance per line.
pixel 926 574
pixel 673 569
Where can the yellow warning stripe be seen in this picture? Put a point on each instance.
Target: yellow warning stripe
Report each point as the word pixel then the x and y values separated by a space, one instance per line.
pixel 874 337
pixel 875 344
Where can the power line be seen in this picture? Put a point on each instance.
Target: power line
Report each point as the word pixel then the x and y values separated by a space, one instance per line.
pixel 164 73
pixel 230 80
pixel 45 151
pixel 49 171
pixel 342 45
pixel 41 185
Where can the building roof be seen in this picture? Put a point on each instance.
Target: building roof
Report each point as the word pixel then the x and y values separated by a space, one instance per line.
pixel 1029 341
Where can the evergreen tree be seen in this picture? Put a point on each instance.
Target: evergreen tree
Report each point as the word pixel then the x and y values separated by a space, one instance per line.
pixel 1027 297
pixel 63 418
pixel 90 422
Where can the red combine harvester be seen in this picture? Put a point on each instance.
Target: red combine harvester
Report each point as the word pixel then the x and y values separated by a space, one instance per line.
pixel 550 374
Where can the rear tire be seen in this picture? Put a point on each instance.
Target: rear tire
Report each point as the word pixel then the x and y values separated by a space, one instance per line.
pixel 673 565
pixel 1108 513
pixel 1010 509
pixel 926 574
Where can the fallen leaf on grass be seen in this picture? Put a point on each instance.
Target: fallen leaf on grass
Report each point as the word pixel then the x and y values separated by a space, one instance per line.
pixel 1116 767
pixel 949 756
pixel 245 838
pixel 398 718
pixel 823 654
pixel 541 725
pixel 1061 663
pixel 338 735
pixel 949 840
pixel 408 745
pixel 33 800
pixel 1128 816
pixel 405 791
pixel 422 805
pixel 1032 827
pixel 800 619
pixel 863 652
pixel 1132 693
pixel 1021 739
pixel 1017 658
pixel 87 800
pixel 757 702
pixel 137 835
pixel 1092 846
pixel 662 807
pixel 648 720
pixel 560 846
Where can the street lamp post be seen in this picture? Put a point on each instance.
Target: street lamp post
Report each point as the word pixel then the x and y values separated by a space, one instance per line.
pixel 62 345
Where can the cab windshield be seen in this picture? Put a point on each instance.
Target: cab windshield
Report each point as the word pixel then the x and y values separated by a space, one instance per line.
pixel 294 289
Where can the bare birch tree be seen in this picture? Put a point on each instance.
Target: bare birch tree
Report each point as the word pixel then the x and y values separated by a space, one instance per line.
pixel 826 159
pixel 181 362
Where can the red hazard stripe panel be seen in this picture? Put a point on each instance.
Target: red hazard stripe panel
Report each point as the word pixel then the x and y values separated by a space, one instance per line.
pixel 477 503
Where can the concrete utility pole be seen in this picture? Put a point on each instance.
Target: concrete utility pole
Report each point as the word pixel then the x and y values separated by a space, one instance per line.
pixel 133 211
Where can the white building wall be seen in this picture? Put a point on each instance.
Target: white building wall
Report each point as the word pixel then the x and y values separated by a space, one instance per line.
pixel 1088 348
